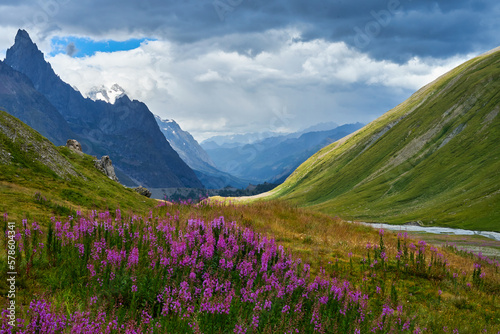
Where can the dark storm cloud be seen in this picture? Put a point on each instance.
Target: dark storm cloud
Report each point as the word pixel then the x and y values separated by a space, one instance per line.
pixel 388 29
pixel 71 49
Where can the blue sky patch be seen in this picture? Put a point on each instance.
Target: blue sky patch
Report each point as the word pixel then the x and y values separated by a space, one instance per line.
pixel 82 47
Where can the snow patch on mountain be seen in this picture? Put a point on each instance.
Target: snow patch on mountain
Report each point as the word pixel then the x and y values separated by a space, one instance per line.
pixel 109 95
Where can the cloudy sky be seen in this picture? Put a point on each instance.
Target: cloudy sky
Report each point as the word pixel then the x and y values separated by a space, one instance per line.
pixel 236 66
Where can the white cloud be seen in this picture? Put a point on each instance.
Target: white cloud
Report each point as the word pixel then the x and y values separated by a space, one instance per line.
pixel 209 76
pixel 207 88
pixel 6 39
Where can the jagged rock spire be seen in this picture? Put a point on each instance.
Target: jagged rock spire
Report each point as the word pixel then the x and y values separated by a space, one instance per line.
pixel 25 57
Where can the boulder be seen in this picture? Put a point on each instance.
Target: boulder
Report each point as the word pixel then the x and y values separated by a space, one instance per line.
pixel 414 223
pixel 143 191
pixel 74 145
pixel 106 167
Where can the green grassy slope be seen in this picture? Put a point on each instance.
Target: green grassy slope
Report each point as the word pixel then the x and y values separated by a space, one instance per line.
pixel 39 180
pixel 434 157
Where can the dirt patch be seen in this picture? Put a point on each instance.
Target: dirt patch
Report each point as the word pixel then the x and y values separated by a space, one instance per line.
pixel 489 118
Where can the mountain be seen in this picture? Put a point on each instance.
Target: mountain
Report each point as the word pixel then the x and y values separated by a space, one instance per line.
pixel 41 180
pixel 126 130
pixel 325 126
pixel 434 158
pixel 274 158
pixel 230 141
pixel 236 140
pixel 184 144
pixel 109 95
pixel 22 100
pixel 195 156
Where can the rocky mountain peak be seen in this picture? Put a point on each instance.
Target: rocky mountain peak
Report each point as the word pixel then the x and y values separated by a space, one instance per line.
pixel 23 48
pixel 23 37
pixel 25 57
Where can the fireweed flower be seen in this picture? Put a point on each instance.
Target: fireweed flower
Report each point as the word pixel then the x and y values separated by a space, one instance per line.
pixel 387 310
pixel 133 258
pixel 199 269
pixel 90 267
pixel 81 249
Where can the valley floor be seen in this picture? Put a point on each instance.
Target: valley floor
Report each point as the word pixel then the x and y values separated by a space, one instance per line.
pixel 127 270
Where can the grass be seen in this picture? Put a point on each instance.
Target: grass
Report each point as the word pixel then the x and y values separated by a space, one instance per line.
pixel 438 162
pixel 448 294
pixel 29 187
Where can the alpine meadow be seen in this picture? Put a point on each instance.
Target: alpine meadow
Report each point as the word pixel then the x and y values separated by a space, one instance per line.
pixel 248 167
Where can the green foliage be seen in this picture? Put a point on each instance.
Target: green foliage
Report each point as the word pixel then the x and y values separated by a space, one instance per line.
pixel 30 188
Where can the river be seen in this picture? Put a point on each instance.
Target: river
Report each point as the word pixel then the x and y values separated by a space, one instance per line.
pixel 435 230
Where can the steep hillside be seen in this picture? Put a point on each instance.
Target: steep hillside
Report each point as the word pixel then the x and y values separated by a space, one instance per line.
pixel 125 130
pixel 434 158
pixel 38 179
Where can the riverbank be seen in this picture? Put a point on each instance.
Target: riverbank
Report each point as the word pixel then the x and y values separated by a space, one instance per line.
pixel 483 242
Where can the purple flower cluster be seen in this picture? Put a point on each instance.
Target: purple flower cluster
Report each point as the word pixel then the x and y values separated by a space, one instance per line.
pixel 162 275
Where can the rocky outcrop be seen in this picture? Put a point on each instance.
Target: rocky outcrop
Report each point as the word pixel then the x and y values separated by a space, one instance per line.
pixel 105 165
pixel 74 145
pixel 143 191
pixel 414 223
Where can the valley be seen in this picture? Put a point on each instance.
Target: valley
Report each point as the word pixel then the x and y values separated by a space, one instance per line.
pixel 260 235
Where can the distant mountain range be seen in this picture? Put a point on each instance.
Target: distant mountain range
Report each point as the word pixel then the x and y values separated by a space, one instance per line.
pixel 126 130
pixel 196 157
pixel 236 140
pixel 434 158
pixel 274 158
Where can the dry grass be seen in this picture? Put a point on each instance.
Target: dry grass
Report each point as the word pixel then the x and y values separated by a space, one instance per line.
pixel 318 238
pixel 437 300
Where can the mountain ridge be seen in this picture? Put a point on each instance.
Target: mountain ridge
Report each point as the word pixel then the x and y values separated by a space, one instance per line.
pixel 274 158
pixel 19 96
pixel 125 130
